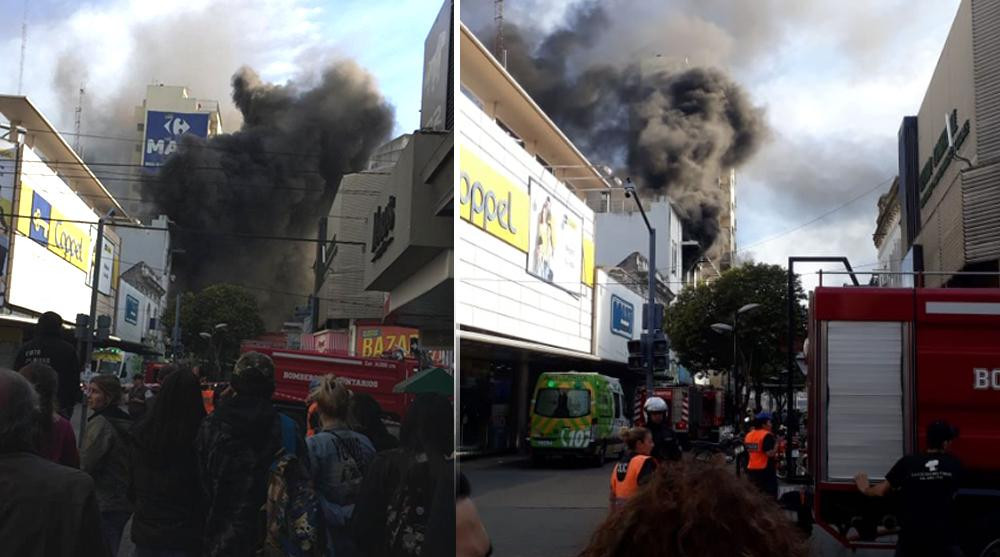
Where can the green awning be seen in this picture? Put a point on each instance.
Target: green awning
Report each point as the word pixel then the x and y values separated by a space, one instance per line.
pixel 431 380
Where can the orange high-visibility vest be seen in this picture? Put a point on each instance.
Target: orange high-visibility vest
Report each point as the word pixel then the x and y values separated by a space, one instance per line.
pixel 754 442
pixel 207 396
pixel 622 490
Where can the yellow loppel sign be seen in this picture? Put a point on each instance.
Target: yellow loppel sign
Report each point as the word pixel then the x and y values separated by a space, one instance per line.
pixel 492 202
pixel 68 240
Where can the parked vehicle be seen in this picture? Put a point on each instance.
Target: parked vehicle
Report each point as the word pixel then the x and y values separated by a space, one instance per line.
pixel 883 363
pixel 695 412
pixel 577 414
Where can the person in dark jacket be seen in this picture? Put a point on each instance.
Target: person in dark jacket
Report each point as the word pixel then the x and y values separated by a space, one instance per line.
pixel 406 506
pixel 364 415
pixel 665 445
pixel 46 510
pixel 104 454
pixel 169 520
pixel 48 347
pixel 235 447
pixel 57 441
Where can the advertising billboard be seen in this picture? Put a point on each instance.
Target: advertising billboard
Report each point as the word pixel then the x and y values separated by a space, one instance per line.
pixel 491 201
pixel 437 75
pixel 165 129
pixel 53 247
pixel 556 240
pixel 373 340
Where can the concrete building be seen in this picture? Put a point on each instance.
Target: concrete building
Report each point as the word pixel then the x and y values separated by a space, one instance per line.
pixel 949 197
pixel 531 296
pixel 49 261
pixel 409 251
pixel 167 113
pixel 141 305
pixel 888 239
pixel 621 231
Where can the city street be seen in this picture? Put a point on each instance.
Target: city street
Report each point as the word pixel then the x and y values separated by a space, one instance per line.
pixel 551 511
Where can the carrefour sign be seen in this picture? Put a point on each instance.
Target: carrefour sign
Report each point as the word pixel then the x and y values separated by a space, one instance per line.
pixel 165 129
pixel 622 317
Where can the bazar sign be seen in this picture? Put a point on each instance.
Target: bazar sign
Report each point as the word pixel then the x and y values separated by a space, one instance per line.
pixel 490 201
pixel 47 226
pixel 374 341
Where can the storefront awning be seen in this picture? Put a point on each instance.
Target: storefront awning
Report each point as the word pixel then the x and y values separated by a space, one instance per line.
pixel 525 345
pixel 432 380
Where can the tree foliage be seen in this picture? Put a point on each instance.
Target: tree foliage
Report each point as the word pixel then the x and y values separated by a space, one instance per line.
pixel 201 313
pixel 762 332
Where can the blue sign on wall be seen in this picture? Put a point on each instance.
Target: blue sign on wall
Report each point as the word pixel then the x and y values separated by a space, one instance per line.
pixel 164 131
pixel 131 309
pixel 622 317
pixel 41 215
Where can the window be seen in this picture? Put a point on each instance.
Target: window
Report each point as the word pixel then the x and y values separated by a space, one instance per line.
pixel 510 132
pixel 562 403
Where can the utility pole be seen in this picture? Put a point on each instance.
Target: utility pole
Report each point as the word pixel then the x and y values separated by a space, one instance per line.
pixel 326 250
pixel 652 322
pixel 176 334
pixel 92 321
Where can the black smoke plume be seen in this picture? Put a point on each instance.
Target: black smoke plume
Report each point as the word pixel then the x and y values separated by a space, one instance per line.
pixel 674 129
pixel 274 177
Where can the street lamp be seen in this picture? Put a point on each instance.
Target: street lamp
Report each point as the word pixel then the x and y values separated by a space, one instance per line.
pixel 214 346
pixel 651 302
pixel 723 328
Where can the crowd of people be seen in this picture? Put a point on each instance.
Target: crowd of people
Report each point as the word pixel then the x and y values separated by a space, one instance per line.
pixel 176 481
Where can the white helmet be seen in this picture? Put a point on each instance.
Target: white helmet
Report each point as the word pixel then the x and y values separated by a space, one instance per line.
pixel 655 404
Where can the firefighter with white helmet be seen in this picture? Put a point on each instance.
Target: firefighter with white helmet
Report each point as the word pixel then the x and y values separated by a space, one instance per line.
pixel 665 446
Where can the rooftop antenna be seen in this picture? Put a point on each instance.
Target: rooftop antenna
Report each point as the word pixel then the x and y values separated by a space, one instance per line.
pixel 79 115
pixel 24 42
pixel 498 45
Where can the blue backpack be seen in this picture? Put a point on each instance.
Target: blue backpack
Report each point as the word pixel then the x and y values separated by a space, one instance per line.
pixel 292 507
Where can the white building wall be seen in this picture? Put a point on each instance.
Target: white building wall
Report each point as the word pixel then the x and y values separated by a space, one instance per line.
pixel 620 234
pixel 127 328
pixel 495 292
pixel 612 342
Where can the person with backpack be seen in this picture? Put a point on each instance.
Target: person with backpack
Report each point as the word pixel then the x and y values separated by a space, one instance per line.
pixel 57 441
pixel 407 503
pixel 168 520
pixel 104 455
pixel 339 459
pixel 237 446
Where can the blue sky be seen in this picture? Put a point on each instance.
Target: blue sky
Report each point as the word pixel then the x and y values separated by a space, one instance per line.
pixel 111 45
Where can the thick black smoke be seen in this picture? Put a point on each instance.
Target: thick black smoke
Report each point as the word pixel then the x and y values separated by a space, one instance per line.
pixel 276 176
pixel 674 128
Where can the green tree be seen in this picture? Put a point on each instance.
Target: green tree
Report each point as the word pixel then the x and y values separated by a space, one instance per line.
pixel 205 312
pixel 762 334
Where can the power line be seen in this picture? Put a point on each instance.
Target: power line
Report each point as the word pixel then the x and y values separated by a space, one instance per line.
pixel 819 218
pixel 202 232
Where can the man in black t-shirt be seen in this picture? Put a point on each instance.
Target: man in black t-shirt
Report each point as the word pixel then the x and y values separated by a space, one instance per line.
pixel 928 483
pixel 48 347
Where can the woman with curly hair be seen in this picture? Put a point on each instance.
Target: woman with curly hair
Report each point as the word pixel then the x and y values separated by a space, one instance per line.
pixel 697 511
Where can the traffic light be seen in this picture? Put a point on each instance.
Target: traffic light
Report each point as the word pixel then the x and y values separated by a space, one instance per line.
pixel 637 354
pixel 661 352
pixel 82 320
pixel 103 327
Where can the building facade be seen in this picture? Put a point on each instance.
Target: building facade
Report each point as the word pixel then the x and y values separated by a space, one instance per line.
pixel 888 239
pixel 949 158
pixel 51 204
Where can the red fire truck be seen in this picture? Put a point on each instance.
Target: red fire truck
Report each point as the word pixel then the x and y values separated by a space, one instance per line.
pixel 695 412
pixel 884 363
pixel 295 369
